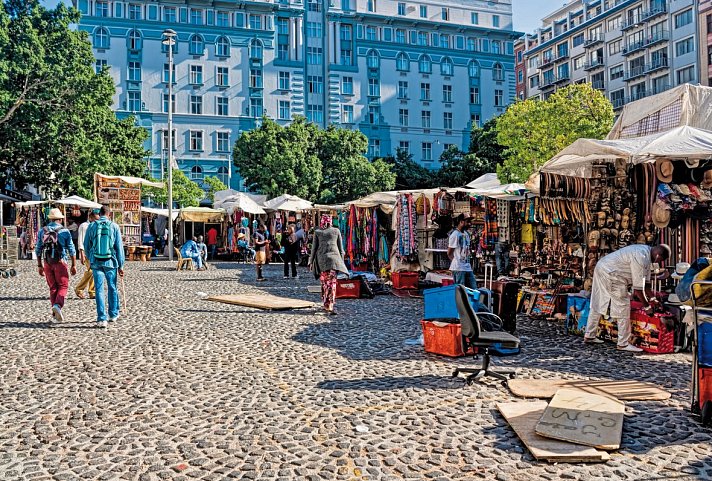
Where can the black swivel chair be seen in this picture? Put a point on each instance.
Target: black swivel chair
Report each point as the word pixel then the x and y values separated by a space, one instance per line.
pixel 474 337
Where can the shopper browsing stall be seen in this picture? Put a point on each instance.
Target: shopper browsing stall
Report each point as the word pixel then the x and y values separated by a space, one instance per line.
pixel 611 278
pixel 460 253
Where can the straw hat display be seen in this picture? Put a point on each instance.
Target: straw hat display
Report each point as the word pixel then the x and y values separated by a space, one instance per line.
pixel 661 216
pixel 664 169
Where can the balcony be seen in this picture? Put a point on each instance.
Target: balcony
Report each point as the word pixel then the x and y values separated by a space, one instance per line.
pixel 659 64
pixel 618 103
pixel 562 56
pixel 631 23
pixel 593 41
pixel 658 89
pixel 546 61
pixel 562 78
pixel 599 85
pixel 634 73
pixel 654 12
pixel 659 37
pixel 641 94
pixel 548 82
pixel 633 47
pixel 593 64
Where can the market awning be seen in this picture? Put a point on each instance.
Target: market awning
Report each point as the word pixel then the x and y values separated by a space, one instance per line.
pixel 289 203
pixel 201 214
pixel 76 200
pixel 238 201
pixel 677 144
pixel 161 212
pixel 486 181
pixel 134 180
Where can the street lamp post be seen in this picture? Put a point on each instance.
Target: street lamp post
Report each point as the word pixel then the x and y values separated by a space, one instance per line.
pixel 169 39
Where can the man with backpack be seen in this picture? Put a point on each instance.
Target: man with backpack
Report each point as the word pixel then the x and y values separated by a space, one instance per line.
pixel 105 251
pixel 54 247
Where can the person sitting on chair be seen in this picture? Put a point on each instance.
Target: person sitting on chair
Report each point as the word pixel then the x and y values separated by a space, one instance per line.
pixel 244 246
pixel 190 250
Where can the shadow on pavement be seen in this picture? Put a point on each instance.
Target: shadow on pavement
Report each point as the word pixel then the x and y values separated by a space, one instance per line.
pixel 389 383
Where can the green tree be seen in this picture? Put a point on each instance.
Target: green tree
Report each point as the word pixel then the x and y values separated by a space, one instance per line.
pixel 214 185
pixel 186 193
pixel 349 175
pixel 484 145
pixel 57 127
pixel 410 174
pixel 460 168
pixel 534 131
pixel 275 160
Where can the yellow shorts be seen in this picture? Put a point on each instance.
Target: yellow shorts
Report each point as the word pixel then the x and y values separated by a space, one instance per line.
pixel 260 257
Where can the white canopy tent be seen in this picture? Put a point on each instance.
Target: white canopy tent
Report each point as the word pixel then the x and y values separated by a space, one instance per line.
pixel 238 201
pixel 488 185
pixel 289 203
pixel 485 182
pixel 677 144
pixel 161 212
pixel 76 200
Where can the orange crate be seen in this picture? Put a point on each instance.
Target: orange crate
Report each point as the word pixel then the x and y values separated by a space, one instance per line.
pixel 442 338
pixel 404 280
pixel 348 289
pixel 705 385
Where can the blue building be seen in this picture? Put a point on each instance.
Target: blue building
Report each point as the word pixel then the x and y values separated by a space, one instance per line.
pixel 412 75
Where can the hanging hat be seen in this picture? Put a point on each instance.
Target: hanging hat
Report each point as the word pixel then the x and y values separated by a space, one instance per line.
pixel 692 163
pixel 55 214
pixel 241 235
pixel 664 170
pixel 681 268
pixel 707 179
pixel 661 217
pixel 683 189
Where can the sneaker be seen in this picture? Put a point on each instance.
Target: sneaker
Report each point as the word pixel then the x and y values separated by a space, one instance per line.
pixel 102 324
pixel 261 279
pixel 295 277
pixel 595 340
pixel 286 277
pixel 630 348
pixel 57 313
pixel 114 319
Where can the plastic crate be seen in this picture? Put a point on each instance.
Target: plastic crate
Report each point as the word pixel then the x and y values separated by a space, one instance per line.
pixel 704 344
pixel 348 289
pixel 362 267
pixel 404 280
pixel 705 385
pixel 442 338
pixel 440 302
pixel 650 334
pixel 448 282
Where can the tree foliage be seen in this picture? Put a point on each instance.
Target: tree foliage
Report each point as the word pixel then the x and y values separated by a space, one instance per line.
pixel 410 174
pixel 57 127
pixel 214 185
pixel 533 131
pixel 301 159
pixel 186 193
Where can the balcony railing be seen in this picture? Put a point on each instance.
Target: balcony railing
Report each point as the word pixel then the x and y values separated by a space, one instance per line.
pixel 631 23
pixel 548 82
pixel 662 36
pixel 641 94
pixel 657 10
pixel 592 41
pixel 546 60
pixel 562 56
pixel 634 73
pixel 661 88
pixel 618 103
pixel 659 64
pixel 599 85
pixel 561 78
pixel 593 64
pixel 634 47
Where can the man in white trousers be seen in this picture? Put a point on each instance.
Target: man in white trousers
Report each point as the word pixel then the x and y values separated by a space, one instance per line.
pixel 612 277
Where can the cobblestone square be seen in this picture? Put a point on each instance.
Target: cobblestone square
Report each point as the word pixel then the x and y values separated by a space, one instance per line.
pixel 184 389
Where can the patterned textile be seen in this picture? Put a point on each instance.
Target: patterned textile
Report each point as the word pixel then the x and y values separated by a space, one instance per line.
pixel 406 238
pixel 328 289
pixel 325 221
pixel 491 233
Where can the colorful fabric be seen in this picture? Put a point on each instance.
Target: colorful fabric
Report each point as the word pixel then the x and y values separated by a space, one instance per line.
pixel 406 239
pixel 491 234
pixel 328 289
pixel 325 221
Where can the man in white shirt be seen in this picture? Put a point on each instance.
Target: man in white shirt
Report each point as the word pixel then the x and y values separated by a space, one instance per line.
pixel 87 280
pixel 459 252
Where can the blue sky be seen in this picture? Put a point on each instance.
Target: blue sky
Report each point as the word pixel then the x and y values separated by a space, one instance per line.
pixel 527 13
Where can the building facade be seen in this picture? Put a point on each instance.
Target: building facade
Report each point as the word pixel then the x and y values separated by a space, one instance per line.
pixel 411 75
pixel 628 49
pixel 705 50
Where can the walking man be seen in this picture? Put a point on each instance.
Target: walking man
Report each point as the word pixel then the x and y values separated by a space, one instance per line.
pixel 213 242
pixel 54 247
pixel 87 280
pixel 612 276
pixel 261 244
pixel 459 252
pixel 105 251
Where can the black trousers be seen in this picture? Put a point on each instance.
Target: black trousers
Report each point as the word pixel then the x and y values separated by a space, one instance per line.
pixel 290 257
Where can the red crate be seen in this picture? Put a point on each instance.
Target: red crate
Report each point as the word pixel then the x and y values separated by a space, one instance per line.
pixel 442 338
pixel 448 282
pixel 705 385
pixel 404 280
pixel 362 267
pixel 650 334
pixel 348 289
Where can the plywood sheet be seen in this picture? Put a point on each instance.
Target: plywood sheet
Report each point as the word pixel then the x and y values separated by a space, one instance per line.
pixel 262 301
pixel 523 418
pixel 583 418
pixel 622 390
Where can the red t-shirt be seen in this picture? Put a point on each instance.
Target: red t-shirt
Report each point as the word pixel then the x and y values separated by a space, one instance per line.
pixel 212 237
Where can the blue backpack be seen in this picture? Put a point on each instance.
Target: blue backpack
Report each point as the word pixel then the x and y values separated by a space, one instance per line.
pixel 103 241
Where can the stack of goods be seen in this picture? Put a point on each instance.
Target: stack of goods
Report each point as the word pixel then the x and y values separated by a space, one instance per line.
pixel 406 220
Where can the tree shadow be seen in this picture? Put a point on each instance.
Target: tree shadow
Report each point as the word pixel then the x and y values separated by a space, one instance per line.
pixel 390 383
pixel 45 325
pixel 23 298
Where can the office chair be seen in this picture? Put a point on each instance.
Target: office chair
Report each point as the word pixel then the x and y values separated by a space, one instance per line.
pixel 473 337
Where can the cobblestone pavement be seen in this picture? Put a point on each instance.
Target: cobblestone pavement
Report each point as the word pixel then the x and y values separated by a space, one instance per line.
pixel 184 389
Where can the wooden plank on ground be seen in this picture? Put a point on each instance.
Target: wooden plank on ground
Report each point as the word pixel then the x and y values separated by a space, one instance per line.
pixel 583 418
pixel 262 301
pixel 622 390
pixel 523 418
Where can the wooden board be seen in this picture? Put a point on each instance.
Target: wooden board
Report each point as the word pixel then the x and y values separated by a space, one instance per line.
pixel 262 301
pixel 523 418
pixel 583 418
pixel 623 390
pixel 314 289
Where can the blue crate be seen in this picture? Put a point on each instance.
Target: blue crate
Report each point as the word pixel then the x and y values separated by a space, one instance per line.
pixel 440 302
pixel 704 344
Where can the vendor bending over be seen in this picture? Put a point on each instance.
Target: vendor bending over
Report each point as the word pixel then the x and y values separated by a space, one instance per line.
pixel 611 278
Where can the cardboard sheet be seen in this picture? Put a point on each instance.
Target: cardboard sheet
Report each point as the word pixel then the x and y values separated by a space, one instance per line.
pixel 524 416
pixel 262 301
pixel 623 390
pixel 583 418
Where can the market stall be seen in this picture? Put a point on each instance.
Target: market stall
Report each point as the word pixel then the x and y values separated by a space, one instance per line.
pixel 196 221
pixel 241 210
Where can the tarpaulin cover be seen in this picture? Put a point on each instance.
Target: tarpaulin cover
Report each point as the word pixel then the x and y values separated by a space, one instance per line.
pixel 290 203
pixel 134 180
pixel 679 143
pixel 201 214
pixel 237 201
pixel 161 212
pixel 76 200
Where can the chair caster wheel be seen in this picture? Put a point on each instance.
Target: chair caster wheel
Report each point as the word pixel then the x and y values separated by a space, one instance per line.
pixel 455 373
pixel 512 376
pixel 470 382
pixel 504 383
